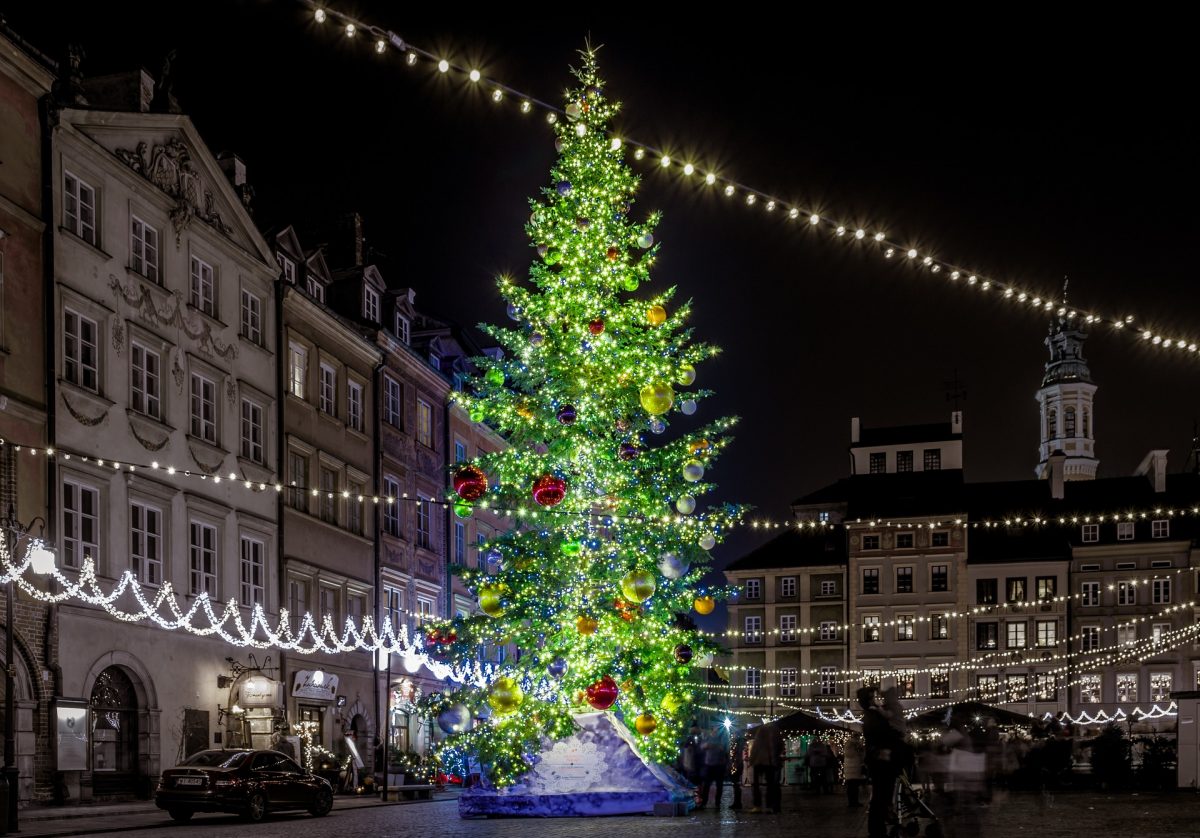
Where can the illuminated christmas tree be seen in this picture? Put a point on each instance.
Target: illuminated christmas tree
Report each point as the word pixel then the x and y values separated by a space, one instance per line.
pixel 595 583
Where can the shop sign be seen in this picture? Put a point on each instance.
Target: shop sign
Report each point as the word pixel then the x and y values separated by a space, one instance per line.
pixel 259 691
pixel 316 684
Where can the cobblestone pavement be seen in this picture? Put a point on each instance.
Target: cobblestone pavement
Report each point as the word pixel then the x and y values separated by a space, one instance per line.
pixel 1171 815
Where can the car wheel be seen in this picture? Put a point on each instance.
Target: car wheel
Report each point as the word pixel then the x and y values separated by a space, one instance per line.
pixel 323 804
pixel 180 815
pixel 256 807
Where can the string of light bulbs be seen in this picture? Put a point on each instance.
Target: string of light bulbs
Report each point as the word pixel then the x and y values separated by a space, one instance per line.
pixel 887 247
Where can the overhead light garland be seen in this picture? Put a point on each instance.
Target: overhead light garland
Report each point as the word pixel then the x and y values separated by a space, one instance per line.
pixel 872 239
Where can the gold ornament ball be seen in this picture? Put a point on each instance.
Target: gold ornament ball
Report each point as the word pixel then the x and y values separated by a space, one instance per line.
pixel 585 624
pixel 638 585
pixel 490 597
pixel 505 696
pixel 704 604
pixel 657 398
pixel 645 724
pixel 656 315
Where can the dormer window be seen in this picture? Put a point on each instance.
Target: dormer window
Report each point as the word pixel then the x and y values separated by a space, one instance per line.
pixel 315 289
pixel 288 266
pixel 370 304
pixel 402 328
pixel 435 361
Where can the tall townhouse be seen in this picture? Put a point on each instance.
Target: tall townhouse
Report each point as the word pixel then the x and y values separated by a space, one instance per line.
pixel 164 419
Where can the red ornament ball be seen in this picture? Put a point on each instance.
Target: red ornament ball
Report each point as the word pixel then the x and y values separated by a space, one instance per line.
pixel 603 693
pixel 549 490
pixel 470 483
pixel 613 254
pixel 596 326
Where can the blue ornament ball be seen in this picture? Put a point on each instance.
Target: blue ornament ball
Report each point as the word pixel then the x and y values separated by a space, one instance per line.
pixel 564 188
pixel 454 719
pixel 657 425
pixel 557 668
pixel 514 313
pixel 688 406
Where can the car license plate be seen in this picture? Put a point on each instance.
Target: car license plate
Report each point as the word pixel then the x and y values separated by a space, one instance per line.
pixel 190 781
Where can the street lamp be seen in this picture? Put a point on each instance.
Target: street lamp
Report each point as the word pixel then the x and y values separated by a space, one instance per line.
pixel 42 560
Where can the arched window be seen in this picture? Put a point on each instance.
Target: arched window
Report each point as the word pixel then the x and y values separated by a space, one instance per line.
pixel 1069 422
pixel 1087 424
pixel 1052 424
pixel 114 732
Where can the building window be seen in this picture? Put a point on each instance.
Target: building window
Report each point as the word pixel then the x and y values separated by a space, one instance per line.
pixel 1089 688
pixel 1015 589
pixel 941 538
pixel 288 266
pixel 145 371
pixel 393 606
pixel 1127 687
pixel 1089 638
pixel 787 682
pixel 904 580
pixel 753 589
pixel 1125 531
pixel 315 289
pixel 1091 533
pixel 871 676
pixel 933 459
pixel 424 423
pixel 872 632
pixel 1069 422
pixel 1160 591
pixel 878 462
pixel 425 613
pixel 251 317
pixel 787 628
pixel 354 509
pixel 435 361
pixel 81 359
pixel 987 636
pixel 985 591
pixel 298 465
pixel 939 627
pixel 904 627
pixel 460 451
pixel 297 369
pixel 327 389
pixel 204 408
pixel 1160 529
pixel 828 587
pixel 79 208
pixel 202 564
pixel 460 542
pixel 1046 588
pixel 298 598
pixel 939 577
pixel 988 687
pixel 143 249
pixel 354 405
pixel 370 304
pixel 870 542
pixel 828 681
pixel 328 606
pixel 1047 633
pixel 1127 634
pixel 787 587
pixel 328 499
pixel 252 431
pixel 1160 686
pixel 1052 424
pixel 1016 635
pixel 402 327
pixel 753 681
pixel 253 571
pixel 203 287
pixel 1127 593
pixel 904 541
pixel 145 542
pixel 356 606
pixel 1046 686
pixel 1089 594
pixel 870 579
pixel 1159 631
pixel 939 684
pixel 391 403
pixel 827 630
pixel 1016 687
pixel 391 509
pixel 906 681
pixel 904 461
pixel 423 521
pixel 753 626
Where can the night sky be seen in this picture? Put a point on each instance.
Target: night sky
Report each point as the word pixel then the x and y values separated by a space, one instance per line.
pixel 1022 150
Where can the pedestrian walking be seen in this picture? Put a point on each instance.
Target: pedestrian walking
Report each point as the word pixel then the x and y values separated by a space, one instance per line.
pixel 737 765
pixel 852 767
pixel 766 757
pixel 715 749
pixel 882 749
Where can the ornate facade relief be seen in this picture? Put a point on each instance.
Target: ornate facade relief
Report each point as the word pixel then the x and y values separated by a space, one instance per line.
pixel 169 167
pixel 139 299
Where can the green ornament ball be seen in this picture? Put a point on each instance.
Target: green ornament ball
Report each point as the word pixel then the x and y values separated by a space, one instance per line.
pixel 477 415
pixel 638 585
pixel 553 256
pixel 462 509
pixel 495 376
pixel 571 548
pixel 630 284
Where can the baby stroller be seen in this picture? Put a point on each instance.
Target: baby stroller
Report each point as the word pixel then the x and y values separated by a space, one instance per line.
pixel 909 810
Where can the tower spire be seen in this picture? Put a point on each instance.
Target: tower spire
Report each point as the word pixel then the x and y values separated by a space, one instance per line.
pixel 1066 397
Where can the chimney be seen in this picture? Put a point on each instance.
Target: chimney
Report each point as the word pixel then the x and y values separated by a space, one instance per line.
pixel 1154 468
pixel 235 170
pixel 355 223
pixel 956 422
pixel 126 92
pixel 1055 466
pixel 854 430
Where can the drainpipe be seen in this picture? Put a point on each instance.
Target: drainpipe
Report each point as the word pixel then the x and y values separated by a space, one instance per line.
pixel 376 490
pixel 281 362
pixel 447 594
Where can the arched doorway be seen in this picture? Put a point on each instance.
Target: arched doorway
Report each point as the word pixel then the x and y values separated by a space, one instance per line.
pixel 114 733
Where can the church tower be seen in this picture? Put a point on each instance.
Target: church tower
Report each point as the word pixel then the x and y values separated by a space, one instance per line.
pixel 1068 421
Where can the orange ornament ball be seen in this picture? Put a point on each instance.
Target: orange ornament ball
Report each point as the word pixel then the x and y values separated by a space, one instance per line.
pixel 704 604
pixel 585 624
pixel 656 315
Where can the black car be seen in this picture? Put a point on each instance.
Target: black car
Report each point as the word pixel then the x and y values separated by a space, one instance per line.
pixel 248 783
